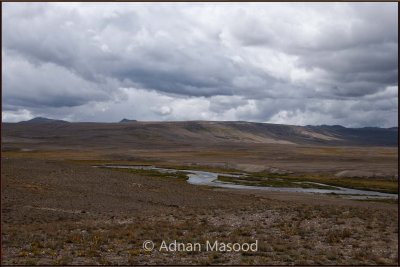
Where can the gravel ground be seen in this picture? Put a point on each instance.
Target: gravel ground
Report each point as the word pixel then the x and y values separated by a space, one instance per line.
pixel 58 212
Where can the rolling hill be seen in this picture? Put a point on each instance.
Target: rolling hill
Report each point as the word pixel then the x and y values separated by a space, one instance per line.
pixel 145 134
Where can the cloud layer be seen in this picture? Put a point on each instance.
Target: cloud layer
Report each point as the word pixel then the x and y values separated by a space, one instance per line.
pixel 314 63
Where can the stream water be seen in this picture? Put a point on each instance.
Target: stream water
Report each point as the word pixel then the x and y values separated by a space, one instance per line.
pixel 211 179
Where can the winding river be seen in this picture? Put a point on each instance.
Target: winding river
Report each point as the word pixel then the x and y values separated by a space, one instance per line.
pixel 211 179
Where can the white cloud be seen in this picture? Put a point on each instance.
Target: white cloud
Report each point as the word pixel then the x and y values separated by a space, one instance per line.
pixel 212 61
pixel 17 115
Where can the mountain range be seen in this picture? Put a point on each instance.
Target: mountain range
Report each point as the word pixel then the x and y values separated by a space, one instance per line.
pixel 138 133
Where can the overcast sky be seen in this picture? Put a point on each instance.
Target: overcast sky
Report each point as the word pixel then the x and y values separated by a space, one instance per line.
pixel 310 63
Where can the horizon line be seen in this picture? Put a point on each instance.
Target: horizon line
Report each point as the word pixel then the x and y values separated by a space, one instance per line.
pixel 172 121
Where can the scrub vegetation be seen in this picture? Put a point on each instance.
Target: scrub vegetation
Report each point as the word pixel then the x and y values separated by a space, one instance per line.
pixel 300 180
pixel 59 209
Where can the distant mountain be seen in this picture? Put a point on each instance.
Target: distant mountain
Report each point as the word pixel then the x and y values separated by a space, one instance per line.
pixel 41 120
pixel 148 134
pixel 126 120
pixel 365 135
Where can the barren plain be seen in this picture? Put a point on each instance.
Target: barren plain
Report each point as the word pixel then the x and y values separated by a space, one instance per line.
pixel 59 209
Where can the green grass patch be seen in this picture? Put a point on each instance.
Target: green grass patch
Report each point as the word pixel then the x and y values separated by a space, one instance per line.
pixel 155 173
pixel 271 182
pixel 202 168
pixel 382 200
pixel 371 184
pixel 111 162
pixel 158 164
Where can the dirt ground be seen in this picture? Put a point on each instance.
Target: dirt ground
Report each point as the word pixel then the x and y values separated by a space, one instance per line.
pixel 58 211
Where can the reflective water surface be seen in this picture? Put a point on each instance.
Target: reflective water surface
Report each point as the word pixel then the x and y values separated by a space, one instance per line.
pixel 211 179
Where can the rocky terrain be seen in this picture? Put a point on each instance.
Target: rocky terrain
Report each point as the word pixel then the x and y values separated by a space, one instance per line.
pixel 57 212
pixel 59 209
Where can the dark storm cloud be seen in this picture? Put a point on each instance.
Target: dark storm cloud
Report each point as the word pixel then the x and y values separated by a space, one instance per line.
pixel 288 63
pixel 27 84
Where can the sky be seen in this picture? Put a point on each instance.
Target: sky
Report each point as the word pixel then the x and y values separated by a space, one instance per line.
pixel 288 63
